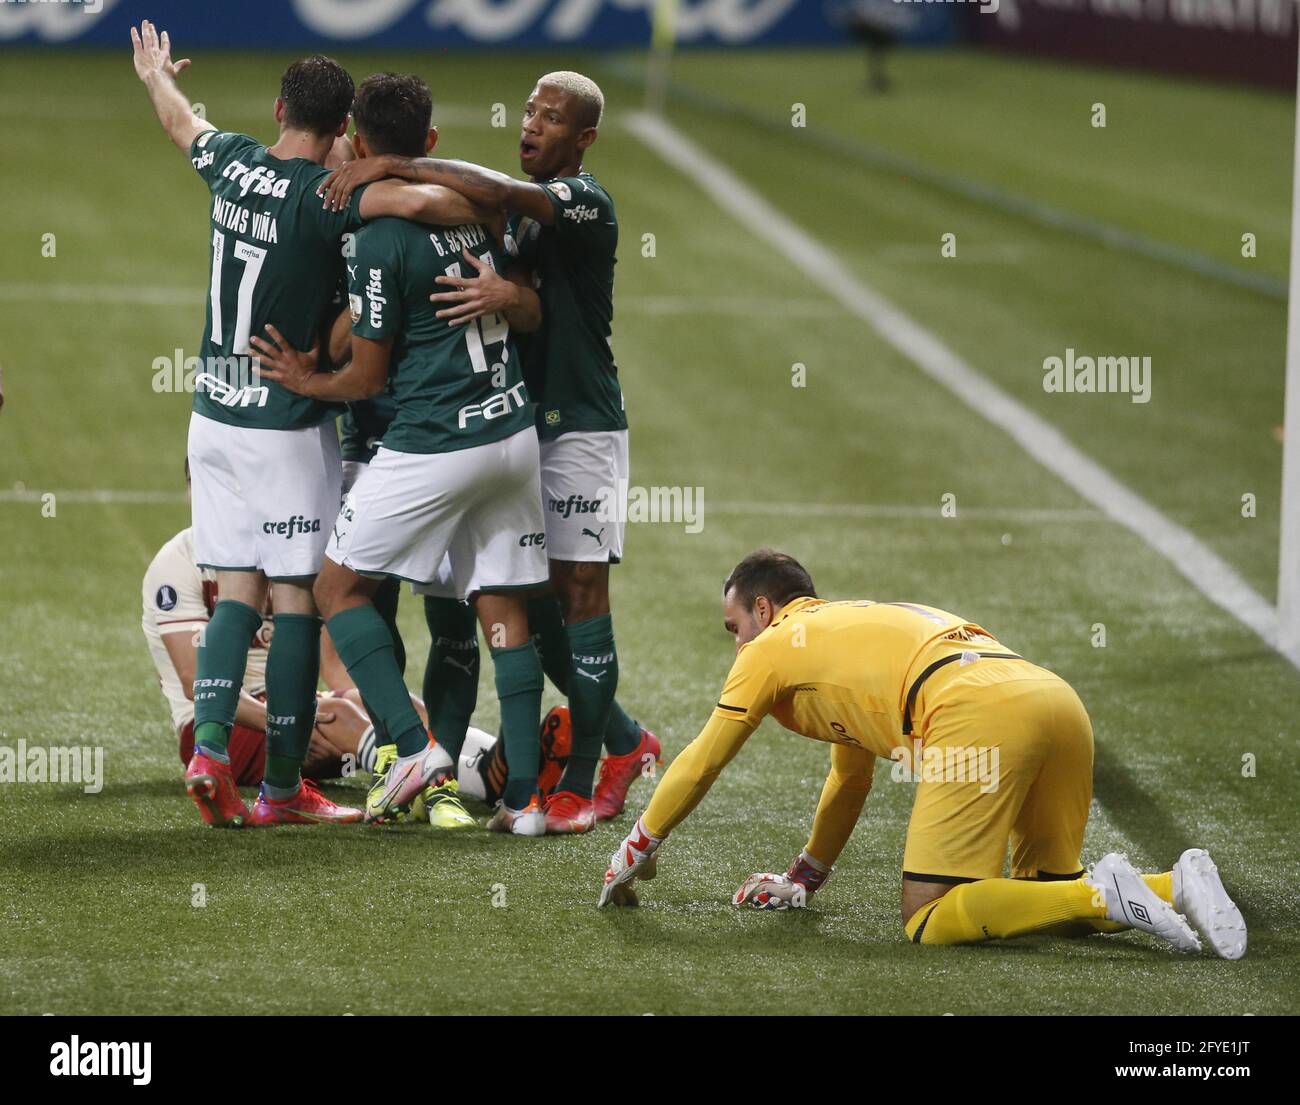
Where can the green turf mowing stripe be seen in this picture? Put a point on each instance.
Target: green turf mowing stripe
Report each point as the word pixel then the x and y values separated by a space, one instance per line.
pixel 1035 211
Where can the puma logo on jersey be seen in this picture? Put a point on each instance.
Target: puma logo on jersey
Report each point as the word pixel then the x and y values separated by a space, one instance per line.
pixel 599 538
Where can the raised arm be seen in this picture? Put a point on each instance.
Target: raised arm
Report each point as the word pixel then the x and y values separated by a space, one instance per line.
pixel 155 68
pixel 486 188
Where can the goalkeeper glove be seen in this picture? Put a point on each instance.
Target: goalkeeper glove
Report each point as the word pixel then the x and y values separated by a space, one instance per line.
pixel 635 859
pixel 789 891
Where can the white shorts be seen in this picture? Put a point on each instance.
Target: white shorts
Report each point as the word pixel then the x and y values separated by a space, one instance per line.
pixel 479 507
pixel 262 499
pixel 443 585
pixel 584 495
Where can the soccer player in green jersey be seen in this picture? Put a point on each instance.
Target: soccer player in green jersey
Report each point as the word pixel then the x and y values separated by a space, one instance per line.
pixel 565 228
pixel 265 462
pixel 456 477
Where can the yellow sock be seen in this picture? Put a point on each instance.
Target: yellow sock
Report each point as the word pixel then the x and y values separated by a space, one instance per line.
pixel 1162 884
pixel 1000 908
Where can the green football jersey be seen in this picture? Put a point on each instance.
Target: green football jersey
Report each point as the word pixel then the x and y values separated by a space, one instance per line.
pixel 568 363
pixel 454 386
pixel 276 256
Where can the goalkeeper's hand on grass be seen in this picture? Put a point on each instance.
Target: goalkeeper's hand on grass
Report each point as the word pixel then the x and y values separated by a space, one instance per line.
pixel 635 859
pixel 789 891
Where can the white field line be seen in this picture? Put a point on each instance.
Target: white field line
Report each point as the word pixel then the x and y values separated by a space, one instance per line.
pixel 901 510
pixel 1204 569
pixel 737 306
pixel 794 509
pixel 110 496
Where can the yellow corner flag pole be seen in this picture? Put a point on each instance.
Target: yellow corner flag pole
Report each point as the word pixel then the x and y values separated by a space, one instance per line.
pixel 663 37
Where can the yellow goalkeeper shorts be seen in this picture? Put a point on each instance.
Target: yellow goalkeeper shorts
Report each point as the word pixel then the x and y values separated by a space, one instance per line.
pixel 1005 761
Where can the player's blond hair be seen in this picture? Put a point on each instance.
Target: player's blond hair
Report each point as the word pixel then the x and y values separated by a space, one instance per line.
pixel 584 89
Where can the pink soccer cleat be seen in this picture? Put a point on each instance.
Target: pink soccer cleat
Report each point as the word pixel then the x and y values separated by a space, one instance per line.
pixel 212 786
pixel 308 807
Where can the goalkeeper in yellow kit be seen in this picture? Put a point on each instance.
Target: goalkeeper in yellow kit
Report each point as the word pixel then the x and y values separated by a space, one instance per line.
pixel 1003 749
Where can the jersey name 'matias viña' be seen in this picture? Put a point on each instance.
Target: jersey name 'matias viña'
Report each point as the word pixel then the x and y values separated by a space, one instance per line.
pixel 240 220
pixel 276 257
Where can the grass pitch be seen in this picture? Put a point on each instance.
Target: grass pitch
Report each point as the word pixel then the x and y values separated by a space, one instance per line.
pixel 96 913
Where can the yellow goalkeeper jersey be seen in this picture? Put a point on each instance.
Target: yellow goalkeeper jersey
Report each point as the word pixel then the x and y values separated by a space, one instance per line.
pixel 839 672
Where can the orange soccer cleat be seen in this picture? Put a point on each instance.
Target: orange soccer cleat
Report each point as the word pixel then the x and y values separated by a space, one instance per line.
pixel 618 773
pixel 566 812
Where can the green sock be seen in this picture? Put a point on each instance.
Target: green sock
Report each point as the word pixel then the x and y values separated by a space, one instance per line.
pixel 385 600
pixel 519 687
pixel 365 645
pixel 622 734
pixel 222 657
pixel 546 624
pixel 451 674
pixel 593 676
pixel 292 672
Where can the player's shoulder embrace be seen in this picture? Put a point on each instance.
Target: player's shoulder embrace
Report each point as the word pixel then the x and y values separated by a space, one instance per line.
pixel 582 200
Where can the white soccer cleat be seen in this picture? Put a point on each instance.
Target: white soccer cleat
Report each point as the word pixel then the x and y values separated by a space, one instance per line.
pixel 530 821
pixel 1129 901
pixel 1199 893
pixel 404 779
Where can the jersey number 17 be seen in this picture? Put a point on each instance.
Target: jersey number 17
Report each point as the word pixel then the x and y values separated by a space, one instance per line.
pixel 253 258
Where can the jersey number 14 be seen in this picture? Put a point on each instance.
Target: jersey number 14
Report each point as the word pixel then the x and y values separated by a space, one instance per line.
pixel 484 331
